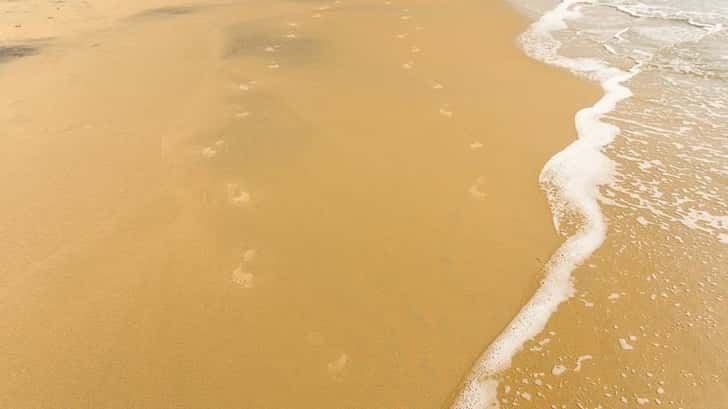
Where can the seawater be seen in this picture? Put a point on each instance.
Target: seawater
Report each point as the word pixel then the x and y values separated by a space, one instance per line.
pixel 647 173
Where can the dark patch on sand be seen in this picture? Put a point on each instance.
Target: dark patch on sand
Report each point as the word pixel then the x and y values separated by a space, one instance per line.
pixel 272 45
pixel 162 12
pixel 9 53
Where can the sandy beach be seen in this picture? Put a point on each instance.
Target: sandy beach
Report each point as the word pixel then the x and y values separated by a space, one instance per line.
pixel 268 205
pixel 274 204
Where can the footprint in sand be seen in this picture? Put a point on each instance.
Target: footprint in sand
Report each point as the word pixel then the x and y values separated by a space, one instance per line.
pixel 247 86
pixel 446 111
pixel 337 367
pixel 208 152
pixel 241 276
pixel 236 195
pixel 249 255
pixel 475 191
pixel 211 151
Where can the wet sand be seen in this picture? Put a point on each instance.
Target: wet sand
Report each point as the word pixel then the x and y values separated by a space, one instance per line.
pixel 268 205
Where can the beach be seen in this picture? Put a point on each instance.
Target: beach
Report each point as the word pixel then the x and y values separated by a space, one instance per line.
pixel 315 204
pixel 344 219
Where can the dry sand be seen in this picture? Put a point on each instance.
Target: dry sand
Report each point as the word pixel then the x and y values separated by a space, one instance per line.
pixel 284 204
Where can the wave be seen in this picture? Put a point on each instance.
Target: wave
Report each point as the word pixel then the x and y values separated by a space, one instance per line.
pixel 571 180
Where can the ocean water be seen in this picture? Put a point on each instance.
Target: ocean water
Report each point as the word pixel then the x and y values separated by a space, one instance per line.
pixel 640 196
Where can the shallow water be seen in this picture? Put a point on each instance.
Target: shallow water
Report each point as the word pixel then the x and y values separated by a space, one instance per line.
pixel 648 304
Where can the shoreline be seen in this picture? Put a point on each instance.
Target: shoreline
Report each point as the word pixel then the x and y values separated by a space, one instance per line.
pixel 572 196
pixel 539 359
pixel 418 204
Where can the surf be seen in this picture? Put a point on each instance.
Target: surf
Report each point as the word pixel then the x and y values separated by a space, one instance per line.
pixel 571 181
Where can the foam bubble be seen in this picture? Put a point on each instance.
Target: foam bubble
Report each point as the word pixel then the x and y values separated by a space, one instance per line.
pixel 558 370
pixel 625 345
pixel 581 360
pixel 570 179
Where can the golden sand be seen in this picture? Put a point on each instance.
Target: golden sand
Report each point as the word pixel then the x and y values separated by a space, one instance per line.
pixel 285 204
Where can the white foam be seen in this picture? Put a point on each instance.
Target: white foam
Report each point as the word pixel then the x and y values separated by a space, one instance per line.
pixel 625 345
pixel 557 370
pixel 580 360
pixel 618 36
pixel 570 179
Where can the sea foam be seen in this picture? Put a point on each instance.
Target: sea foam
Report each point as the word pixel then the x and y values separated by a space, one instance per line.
pixel 571 180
